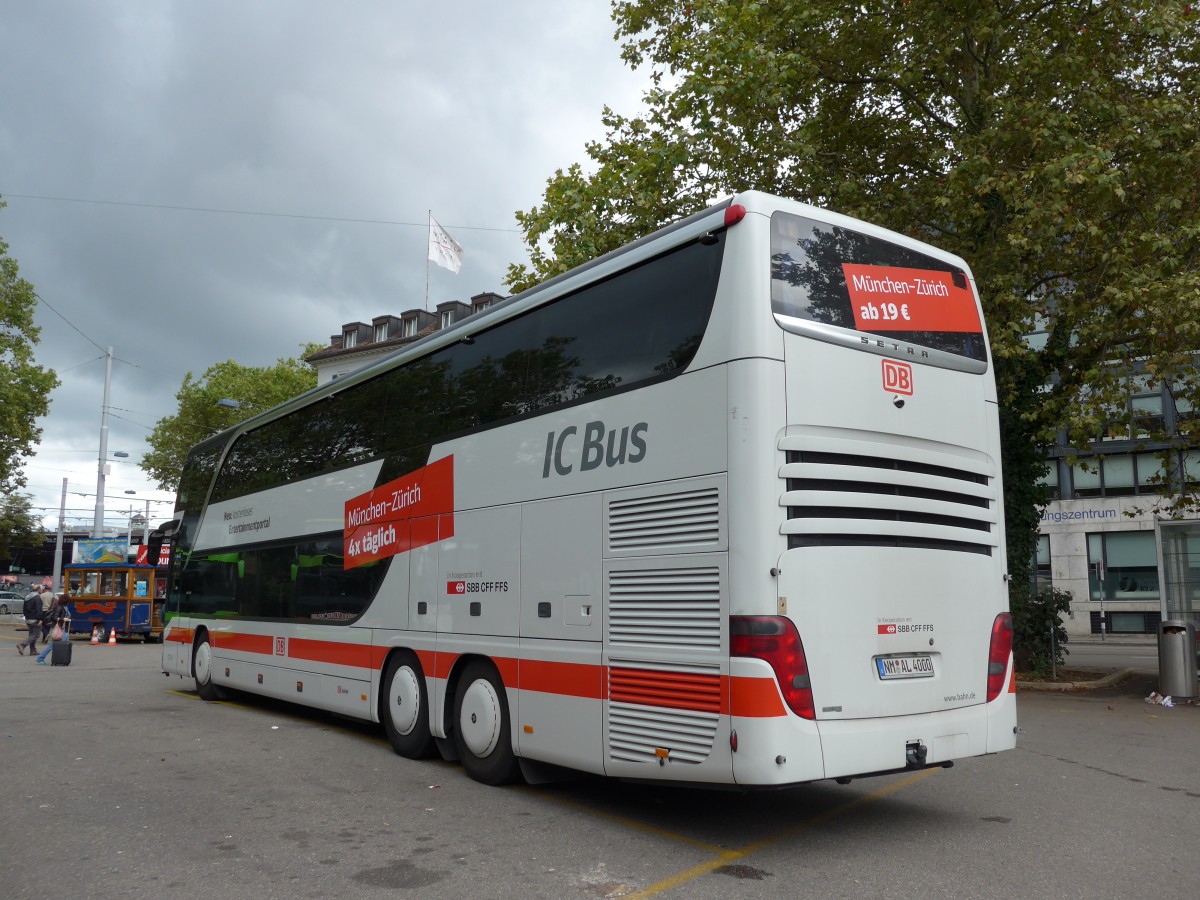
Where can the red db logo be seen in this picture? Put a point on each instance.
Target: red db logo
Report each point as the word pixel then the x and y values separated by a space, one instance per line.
pixel 897 377
pixel 887 629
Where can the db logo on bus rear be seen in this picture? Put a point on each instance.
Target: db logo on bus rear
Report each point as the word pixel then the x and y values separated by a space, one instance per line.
pixel 897 377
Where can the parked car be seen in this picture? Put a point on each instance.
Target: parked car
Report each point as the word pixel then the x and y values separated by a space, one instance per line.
pixel 11 602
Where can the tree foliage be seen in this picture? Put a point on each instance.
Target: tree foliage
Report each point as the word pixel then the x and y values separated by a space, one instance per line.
pixel 256 388
pixel 18 527
pixel 24 386
pixel 1052 145
pixel 1039 636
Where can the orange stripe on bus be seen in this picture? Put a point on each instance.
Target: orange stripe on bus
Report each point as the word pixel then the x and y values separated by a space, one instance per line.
pixel 436 664
pixel 755 698
pixel 507 667
pixel 242 643
pixel 568 679
pixel 726 695
pixel 674 690
pixel 335 653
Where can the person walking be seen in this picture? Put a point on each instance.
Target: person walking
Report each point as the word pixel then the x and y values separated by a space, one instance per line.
pixel 48 612
pixel 59 617
pixel 32 609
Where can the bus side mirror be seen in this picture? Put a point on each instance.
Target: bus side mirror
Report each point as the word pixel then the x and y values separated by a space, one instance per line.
pixel 155 539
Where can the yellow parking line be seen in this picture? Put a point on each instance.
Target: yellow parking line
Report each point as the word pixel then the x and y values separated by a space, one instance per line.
pixel 726 856
pixel 722 856
pixel 191 695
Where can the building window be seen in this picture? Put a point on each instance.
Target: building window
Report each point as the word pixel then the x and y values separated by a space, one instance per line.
pixel 1183 408
pixel 1143 415
pixel 1049 481
pixel 381 332
pixel 349 339
pixel 1191 468
pixel 410 328
pixel 1041 561
pixel 1152 478
pixel 1122 565
pixel 1119 475
pixel 1147 412
pixel 1086 482
pixel 447 319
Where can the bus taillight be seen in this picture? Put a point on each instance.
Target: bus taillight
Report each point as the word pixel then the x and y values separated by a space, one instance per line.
pixel 734 213
pixel 998 653
pixel 774 640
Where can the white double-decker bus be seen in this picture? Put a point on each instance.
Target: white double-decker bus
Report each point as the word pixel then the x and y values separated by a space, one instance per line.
pixel 722 506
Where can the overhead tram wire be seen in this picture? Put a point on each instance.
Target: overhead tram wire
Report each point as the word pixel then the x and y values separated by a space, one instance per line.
pixel 222 211
pixel 77 330
pixel 74 327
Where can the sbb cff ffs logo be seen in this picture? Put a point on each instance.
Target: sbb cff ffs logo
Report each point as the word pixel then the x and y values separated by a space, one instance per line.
pixel 897 377
pixel 887 629
pixel 456 587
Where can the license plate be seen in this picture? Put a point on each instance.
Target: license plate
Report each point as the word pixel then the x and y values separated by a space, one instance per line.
pixel 892 668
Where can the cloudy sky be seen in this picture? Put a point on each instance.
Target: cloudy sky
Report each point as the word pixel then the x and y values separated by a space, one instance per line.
pixel 201 180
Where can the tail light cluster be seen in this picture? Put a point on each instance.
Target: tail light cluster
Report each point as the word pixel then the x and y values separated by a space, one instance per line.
pixel 774 640
pixel 998 654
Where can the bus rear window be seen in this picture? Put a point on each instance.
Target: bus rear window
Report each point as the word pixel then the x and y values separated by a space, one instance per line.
pixel 833 276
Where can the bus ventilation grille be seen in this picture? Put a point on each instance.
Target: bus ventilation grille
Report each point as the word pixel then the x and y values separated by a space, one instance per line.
pixel 669 607
pixel 844 499
pixel 665 708
pixel 666 521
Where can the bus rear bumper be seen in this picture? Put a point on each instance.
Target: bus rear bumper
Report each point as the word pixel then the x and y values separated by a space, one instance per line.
pixel 787 750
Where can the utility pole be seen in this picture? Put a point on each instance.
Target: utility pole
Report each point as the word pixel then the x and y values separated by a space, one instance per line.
pixel 98 524
pixel 58 544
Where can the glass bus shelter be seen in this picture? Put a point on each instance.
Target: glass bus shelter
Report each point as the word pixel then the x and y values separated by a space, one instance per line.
pixel 1179 569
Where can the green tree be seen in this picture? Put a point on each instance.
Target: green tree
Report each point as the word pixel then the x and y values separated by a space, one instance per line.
pixel 255 388
pixel 1054 146
pixel 18 527
pixel 24 387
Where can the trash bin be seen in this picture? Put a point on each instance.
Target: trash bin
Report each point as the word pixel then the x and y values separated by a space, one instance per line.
pixel 1177 658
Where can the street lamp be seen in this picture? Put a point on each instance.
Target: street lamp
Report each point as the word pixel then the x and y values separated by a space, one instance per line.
pixel 102 472
pixel 229 404
pixel 145 522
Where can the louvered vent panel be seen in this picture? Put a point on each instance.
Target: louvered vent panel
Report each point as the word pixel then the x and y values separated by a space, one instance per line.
pixel 696 691
pixel 667 712
pixel 668 520
pixel 847 499
pixel 665 607
pixel 636 734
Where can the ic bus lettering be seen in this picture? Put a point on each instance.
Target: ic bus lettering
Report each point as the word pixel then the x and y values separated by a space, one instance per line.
pixel 599 445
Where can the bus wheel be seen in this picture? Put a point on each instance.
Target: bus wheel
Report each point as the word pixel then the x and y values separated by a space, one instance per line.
pixel 406 707
pixel 202 670
pixel 482 734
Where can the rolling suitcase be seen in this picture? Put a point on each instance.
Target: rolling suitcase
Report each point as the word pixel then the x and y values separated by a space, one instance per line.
pixel 60 653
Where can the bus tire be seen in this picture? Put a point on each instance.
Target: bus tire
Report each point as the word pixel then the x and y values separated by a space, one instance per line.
pixel 202 670
pixel 405 711
pixel 482 732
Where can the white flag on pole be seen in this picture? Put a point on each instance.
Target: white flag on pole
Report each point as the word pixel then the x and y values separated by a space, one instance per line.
pixel 443 249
